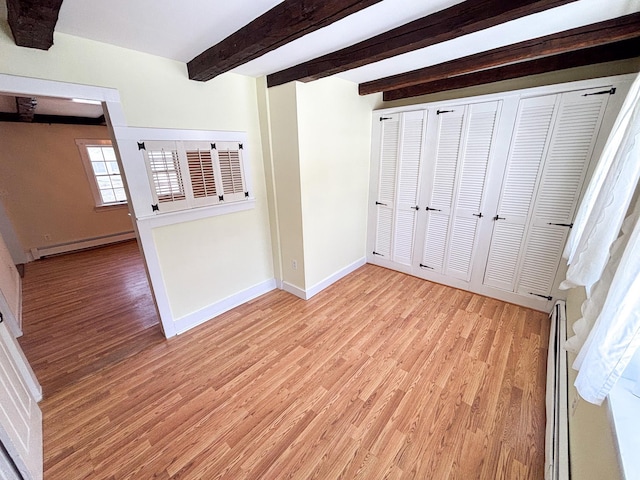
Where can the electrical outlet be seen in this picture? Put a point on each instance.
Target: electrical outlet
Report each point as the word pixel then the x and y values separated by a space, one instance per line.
pixel 47 236
pixel 294 264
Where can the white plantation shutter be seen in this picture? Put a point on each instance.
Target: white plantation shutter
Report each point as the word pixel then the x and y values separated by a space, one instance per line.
pixel 571 147
pixel 441 199
pixel 165 174
pixel 528 148
pixel 187 174
pixel 201 170
pixel 478 139
pixel 387 184
pixel 408 182
pixel 232 176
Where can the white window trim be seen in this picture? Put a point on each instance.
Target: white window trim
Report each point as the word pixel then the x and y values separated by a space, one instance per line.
pixel 140 190
pixel 82 144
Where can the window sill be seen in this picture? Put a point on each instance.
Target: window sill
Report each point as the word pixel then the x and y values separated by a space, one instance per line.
pixel 623 410
pixel 108 208
pixel 197 213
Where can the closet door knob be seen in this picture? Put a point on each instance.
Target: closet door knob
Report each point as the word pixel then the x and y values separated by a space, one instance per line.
pixel 497 217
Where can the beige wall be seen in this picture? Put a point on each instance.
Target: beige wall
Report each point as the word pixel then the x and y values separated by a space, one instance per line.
pixel 320 143
pixel 334 125
pixel 156 92
pixel 45 187
pixel 283 113
pixel 591 440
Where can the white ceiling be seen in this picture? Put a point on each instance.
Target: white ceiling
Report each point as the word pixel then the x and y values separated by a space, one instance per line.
pixel 182 30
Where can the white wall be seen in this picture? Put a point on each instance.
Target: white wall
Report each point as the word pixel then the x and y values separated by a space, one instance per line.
pixel 156 92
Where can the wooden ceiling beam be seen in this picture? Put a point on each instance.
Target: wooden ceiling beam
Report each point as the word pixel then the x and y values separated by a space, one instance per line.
pixel 26 108
pixel 32 22
pixel 610 31
pixel 284 23
pixel 588 56
pixel 461 19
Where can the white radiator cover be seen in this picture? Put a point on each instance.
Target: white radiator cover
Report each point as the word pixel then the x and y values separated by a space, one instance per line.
pixel 557 425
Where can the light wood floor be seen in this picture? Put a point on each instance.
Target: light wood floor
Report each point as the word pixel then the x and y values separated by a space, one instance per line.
pixel 380 376
pixel 85 311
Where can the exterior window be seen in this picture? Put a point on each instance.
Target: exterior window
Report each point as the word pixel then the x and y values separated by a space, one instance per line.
pixel 103 172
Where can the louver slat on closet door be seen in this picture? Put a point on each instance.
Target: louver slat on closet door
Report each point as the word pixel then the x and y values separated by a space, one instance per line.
pixel 441 199
pixel 387 185
pixel 408 181
pixel 527 151
pixel 473 163
pixel 570 150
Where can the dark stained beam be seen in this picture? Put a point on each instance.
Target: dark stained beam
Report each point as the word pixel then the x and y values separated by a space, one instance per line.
pixel 32 22
pixel 282 24
pixel 617 29
pixel 26 108
pixel 461 19
pixel 588 56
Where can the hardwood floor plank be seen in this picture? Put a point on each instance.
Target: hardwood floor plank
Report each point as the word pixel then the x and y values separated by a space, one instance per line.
pixel 380 376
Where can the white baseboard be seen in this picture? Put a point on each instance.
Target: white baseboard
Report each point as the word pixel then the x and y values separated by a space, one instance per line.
pixel 207 313
pixel 297 291
pixel 40 252
pixel 331 279
pixel 318 287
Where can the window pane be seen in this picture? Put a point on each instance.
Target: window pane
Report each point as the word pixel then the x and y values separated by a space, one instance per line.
pixel 112 167
pixel 108 196
pixel 120 195
pixel 103 182
pixel 99 168
pixel 109 154
pixel 95 154
pixel 116 181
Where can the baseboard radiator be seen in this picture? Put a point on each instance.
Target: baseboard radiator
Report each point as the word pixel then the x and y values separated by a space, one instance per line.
pixel 49 250
pixel 557 428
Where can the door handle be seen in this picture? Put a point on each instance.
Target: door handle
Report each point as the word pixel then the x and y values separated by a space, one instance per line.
pixel 479 215
pixel 378 203
pixel 416 208
pixel 428 209
pixel 497 217
pixel 570 225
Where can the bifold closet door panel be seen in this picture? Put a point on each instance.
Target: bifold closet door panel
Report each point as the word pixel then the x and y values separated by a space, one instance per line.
pixel 385 202
pixel 571 147
pixel 529 144
pixel 397 204
pixel 550 153
pixel 464 143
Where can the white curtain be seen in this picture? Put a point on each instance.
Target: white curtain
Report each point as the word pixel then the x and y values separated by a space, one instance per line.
pixel 607 198
pixel 606 260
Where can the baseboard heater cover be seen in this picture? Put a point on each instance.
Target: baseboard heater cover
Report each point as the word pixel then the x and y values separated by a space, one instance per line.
pixel 557 425
pixel 37 253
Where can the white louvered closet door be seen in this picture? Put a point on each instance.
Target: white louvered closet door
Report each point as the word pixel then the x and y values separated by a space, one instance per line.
pixel 550 152
pixel 390 143
pixel 411 146
pixel 400 159
pixel 443 182
pixel 571 147
pixel 464 142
